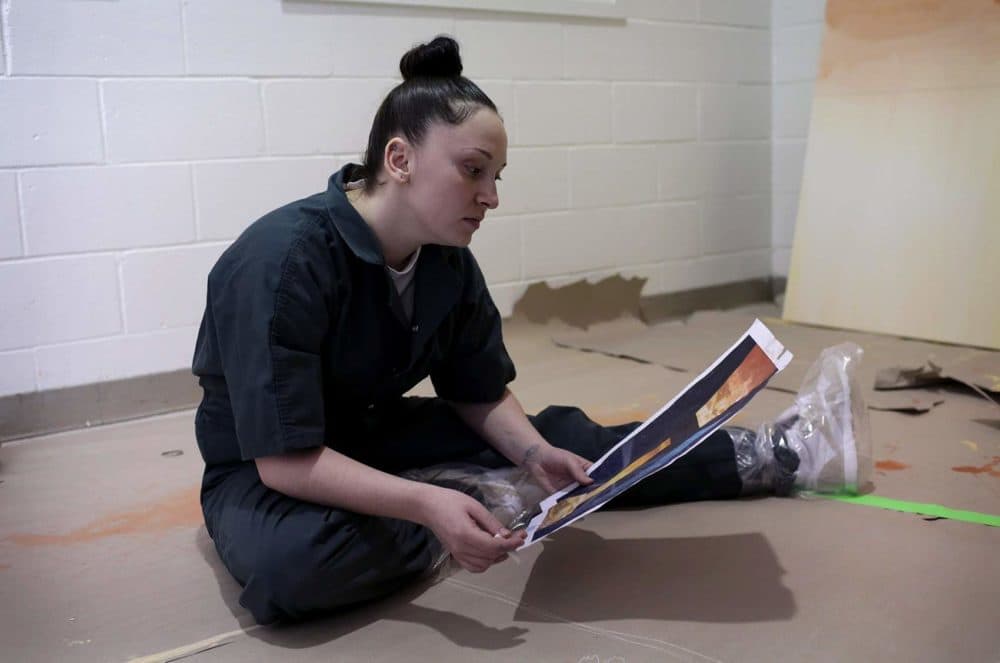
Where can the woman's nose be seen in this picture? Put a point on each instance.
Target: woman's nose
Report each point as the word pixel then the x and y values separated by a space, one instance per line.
pixel 489 198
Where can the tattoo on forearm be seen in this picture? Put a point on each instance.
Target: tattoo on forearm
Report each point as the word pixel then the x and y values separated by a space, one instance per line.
pixel 530 454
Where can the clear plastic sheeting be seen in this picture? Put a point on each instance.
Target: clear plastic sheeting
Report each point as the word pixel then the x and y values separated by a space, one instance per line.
pixel 821 443
pixel 509 493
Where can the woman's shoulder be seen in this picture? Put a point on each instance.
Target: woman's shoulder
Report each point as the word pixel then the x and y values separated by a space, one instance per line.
pixel 279 229
pixel 298 231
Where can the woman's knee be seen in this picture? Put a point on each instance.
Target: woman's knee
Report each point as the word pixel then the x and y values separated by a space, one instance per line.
pixel 570 428
pixel 356 561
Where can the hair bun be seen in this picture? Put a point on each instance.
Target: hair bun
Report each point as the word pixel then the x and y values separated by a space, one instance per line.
pixel 438 59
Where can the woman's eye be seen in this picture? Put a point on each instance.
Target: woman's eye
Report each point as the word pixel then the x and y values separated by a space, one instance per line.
pixel 475 172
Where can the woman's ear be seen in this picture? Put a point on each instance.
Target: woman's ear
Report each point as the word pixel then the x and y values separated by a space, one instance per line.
pixel 398 154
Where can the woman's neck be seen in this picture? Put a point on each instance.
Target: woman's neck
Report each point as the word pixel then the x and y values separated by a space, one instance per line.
pixel 390 224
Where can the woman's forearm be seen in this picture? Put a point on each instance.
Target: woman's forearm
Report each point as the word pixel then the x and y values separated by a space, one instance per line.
pixel 324 476
pixel 504 425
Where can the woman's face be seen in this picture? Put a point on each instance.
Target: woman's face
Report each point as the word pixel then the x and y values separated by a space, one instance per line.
pixel 453 177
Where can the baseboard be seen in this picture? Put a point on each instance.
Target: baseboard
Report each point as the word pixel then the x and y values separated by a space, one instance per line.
pixel 728 295
pixel 44 412
pixel 52 411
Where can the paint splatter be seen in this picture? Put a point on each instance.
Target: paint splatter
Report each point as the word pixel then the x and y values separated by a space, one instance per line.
pixel 179 509
pixel 989 469
pixel 891 465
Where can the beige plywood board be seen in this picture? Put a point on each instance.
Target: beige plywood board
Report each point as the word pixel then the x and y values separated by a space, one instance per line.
pixel 898 228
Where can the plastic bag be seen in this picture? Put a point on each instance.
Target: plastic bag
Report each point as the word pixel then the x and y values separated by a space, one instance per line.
pixel 821 443
pixel 509 493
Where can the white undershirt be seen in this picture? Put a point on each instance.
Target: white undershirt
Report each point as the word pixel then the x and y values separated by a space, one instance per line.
pixel 403 280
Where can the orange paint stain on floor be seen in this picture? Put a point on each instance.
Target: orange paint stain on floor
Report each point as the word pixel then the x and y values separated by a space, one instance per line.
pixel 890 465
pixel 989 469
pixel 179 509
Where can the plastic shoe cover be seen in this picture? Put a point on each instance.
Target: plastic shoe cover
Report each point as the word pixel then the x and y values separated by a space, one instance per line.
pixel 821 443
pixel 828 425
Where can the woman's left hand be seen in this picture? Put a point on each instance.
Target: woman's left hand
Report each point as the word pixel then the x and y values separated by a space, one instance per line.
pixel 554 468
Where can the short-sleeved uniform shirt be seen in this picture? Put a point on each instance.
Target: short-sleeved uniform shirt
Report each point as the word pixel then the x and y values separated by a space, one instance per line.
pixel 303 332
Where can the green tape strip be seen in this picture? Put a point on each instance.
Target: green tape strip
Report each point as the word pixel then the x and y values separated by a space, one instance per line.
pixel 915 507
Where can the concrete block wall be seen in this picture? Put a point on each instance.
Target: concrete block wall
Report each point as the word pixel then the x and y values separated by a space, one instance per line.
pixel 796 36
pixel 139 138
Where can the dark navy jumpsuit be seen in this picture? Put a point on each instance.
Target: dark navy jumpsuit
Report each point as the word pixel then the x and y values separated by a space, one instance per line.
pixel 304 343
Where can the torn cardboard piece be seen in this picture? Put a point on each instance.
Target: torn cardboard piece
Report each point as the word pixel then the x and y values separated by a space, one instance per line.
pixel 977 370
pixel 908 403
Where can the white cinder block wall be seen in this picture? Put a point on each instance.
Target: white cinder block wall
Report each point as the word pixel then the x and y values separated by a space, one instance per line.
pixel 796 35
pixel 139 137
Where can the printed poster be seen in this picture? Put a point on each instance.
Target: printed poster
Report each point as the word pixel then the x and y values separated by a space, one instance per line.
pixel 708 402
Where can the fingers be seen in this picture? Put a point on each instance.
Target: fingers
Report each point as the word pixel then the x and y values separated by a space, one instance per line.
pixel 500 538
pixel 472 535
pixel 577 468
pixel 510 542
pixel 493 539
pixel 476 564
pixel 485 519
pixel 543 480
pixel 566 469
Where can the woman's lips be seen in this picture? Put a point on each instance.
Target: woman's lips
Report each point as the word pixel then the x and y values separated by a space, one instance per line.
pixel 472 221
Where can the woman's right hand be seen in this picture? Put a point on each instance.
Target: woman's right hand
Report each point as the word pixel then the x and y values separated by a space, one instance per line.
pixel 466 529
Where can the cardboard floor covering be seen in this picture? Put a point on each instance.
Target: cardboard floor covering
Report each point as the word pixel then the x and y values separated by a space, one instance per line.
pixel 103 556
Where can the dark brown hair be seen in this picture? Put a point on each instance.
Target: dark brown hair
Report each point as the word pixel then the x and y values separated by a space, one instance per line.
pixel 433 90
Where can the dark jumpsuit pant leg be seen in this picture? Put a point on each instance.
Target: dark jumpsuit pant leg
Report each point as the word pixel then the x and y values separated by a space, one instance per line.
pixel 296 559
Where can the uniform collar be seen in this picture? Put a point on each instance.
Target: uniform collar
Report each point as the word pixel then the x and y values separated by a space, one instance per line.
pixel 356 232
pixel 437 282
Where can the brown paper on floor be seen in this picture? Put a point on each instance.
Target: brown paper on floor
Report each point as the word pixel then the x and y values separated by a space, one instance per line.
pixel 689 345
pixel 104 556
